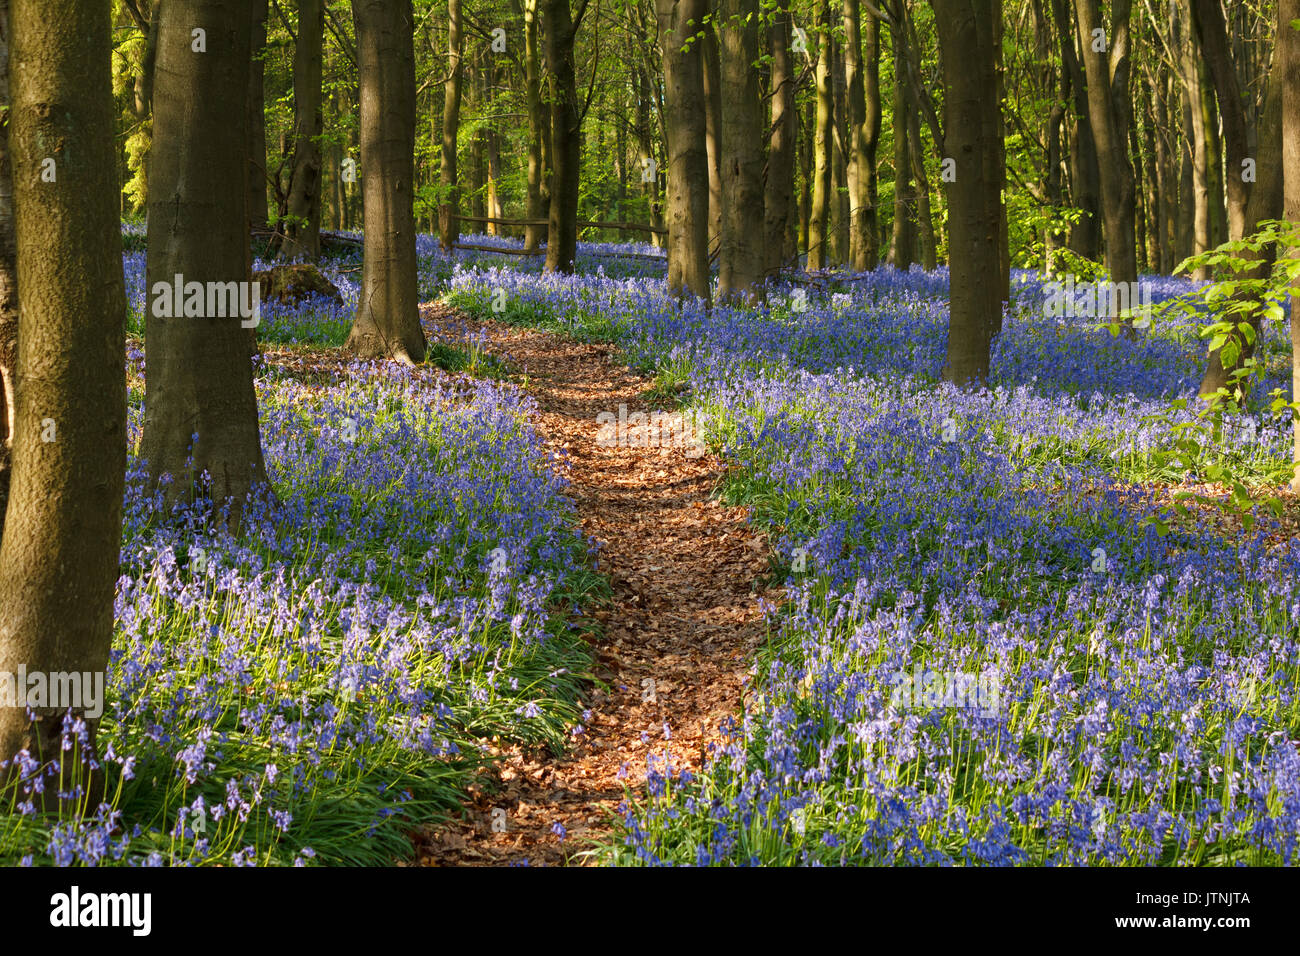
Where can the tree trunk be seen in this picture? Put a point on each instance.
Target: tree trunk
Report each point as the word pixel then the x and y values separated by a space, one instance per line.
pixel 566 139
pixel 778 192
pixel 1212 37
pixel 59 556
pixel 387 323
pixel 903 243
pixel 967 42
pixel 302 234
pixel 1107 72
pixel 1085 235
pixel 199 374
pixel 449 207
pixel 819 215
pixel 8 279
pixel 538 127
pixel 740 268
pixel 924 221
pixel 804 139
pixel 688 164
pixel 712 75
pixel 840 207
pixel 1288 51
pixel 1264 200
pixel 863 107
pixel 257 120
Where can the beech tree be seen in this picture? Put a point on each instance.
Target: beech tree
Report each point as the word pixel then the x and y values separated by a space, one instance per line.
pixel 1106 63
pixel 740 265
pixel 449 208
pixel 971 137
pixel 1249 202
pixel 778 187
pixel 201 428
pixel 687 200
pixel 387 323
pixel 566 134
pixel 862 99
pixel 823 142
pixel 63 524
pixel 1288 52
pixel 8 278
pixel 303 205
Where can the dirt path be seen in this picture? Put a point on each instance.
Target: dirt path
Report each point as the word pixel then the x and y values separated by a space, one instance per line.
pixel 684 615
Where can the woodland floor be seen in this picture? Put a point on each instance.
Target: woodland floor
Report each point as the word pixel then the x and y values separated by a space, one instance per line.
pixel 686 576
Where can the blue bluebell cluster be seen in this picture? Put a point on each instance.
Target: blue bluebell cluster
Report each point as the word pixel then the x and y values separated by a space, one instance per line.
pixel 1147 706
pixel 309 689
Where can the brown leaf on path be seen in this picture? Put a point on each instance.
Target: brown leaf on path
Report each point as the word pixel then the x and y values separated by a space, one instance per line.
pixel 684 611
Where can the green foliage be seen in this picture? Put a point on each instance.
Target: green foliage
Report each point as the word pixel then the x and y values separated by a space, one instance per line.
pixel 1238 304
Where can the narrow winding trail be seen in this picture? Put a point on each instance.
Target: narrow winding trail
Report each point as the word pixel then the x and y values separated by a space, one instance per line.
pixel 685 612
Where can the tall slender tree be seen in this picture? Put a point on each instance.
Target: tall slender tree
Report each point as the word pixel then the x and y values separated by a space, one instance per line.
pixel 387 323
pixel 967 43
pixel 778 186
pixel 566 134
pixel 1288 50
pixel 449 208
pixel 823 143
pixel 740 265
pixel 200 424
pixel 59 554
pixel 862 101
pixel 8 277
pixel 302 231
pixel 257 119
pixel 680 22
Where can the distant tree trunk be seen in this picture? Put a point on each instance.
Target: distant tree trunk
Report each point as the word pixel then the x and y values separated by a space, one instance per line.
pixel 477 186
pixel 566 139
pixel 1212 35
pixel 924 220
pixel 538 127
pixel 863 105
pixel 387 323
pixel 336 175
pixel 59 556
pixel 1167 163
pixel 1288 50
pixel 257 120
pixel 449 207
pixel 1107 71
pixel 823 136
pixel 778 194
pixel 903 244
pixel 688 165
pixel 840 207
pixel 302 235
pixel 8 278
pixel 967 42
pixel 1264 198
pixel 649 173
pixel 199 374
pixel 1085 235
pixel 740 268
pixel 804 139
pixel 1189 72
pixel 493 149
pixel 712 74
